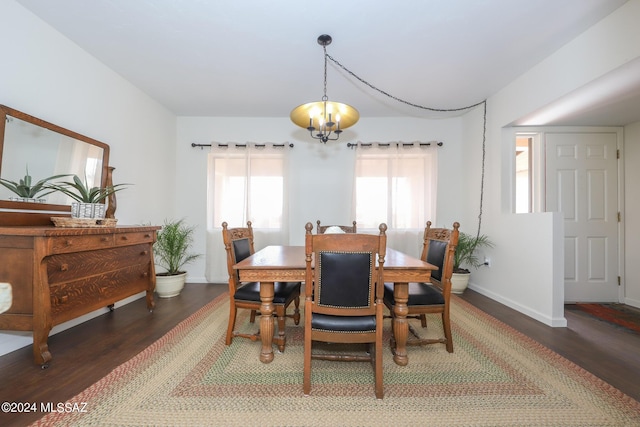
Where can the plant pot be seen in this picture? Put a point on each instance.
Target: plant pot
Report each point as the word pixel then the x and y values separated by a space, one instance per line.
pixel 459 282
pixel 168 286
pixel 88 210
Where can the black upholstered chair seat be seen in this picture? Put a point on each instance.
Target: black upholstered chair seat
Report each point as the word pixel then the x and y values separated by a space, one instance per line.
pixel 283 292
pixel 419 294
pixel 325 322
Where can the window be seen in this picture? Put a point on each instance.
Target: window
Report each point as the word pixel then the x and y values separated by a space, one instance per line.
pixel 527 173
pixel 247 184
pixel 395 184
pixel 523 174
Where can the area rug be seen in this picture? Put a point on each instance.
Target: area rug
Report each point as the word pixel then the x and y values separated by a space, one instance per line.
pixel 619 315
pixel 495 377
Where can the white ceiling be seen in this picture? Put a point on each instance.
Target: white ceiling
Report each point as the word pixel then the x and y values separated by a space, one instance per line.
pixel 260 58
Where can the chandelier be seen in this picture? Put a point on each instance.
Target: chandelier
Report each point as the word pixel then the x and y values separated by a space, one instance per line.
pixel 325 120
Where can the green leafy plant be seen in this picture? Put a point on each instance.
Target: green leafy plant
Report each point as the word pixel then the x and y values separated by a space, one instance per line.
pixel 80 191
pixel 465 251
pixel 27 189
pixel 171 249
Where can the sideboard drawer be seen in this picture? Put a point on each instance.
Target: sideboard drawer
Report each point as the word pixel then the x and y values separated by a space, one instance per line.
pixel 123 239
pixel 68 299
pixel 73 266
pixel 66 244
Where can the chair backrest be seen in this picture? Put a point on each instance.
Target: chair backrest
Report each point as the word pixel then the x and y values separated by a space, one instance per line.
pixel 438 248
pixel 238 243
pixel 322 229
pixel 344 272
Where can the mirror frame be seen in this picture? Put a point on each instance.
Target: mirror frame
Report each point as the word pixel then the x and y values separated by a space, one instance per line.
pixel 105 179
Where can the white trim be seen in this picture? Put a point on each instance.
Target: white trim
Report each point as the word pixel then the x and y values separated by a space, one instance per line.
pixel 550 321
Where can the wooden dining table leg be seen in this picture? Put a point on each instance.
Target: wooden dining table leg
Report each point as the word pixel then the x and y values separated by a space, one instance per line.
pixel 400 323
pixel 266 321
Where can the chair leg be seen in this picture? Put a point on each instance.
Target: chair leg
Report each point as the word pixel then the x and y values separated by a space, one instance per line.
pixel 252 318
pixel 296 312
pixel 281 316
pixel 423 320
pixel 232 322
pixel 392 340
pixel 446 323
pixel 378 369
pixel 307 364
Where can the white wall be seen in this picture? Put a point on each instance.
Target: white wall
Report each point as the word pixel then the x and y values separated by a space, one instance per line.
pixel 45 75
pixel 321 174
pixel 631 216
pixel 525 271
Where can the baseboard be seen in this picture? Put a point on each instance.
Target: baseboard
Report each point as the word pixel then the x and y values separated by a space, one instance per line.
pixel 632 302
pixel 553 322
pixel 196 279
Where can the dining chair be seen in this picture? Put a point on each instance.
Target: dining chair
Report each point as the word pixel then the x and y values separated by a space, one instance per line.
pixel 321 229
pixel 438 248
pixel 238 243
pixel 343 298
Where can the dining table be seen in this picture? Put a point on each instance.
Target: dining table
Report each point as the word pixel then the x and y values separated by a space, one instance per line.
pixel 287 264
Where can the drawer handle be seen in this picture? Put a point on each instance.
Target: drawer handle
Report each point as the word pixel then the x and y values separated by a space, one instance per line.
pixel 104 239
pixel 68 242
pixel 145 274
pixel 125 238
pixel 147 235
pixel 64 267
pixel 62 300
pixel 144 253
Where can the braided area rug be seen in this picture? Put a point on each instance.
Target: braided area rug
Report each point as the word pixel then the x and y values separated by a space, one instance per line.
pixel 495 377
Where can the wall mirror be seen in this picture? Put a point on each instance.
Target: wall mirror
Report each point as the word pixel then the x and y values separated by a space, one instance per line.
pixel 47 150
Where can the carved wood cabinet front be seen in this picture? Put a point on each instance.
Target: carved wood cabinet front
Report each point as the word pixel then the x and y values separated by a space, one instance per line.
pixel 58 274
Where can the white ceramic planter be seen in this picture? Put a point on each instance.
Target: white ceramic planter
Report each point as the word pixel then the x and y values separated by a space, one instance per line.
pixel 459 282
pixel 170 286
pixel 88 210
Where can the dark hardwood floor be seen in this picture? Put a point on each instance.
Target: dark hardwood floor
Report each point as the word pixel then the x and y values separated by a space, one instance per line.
pixel 84 354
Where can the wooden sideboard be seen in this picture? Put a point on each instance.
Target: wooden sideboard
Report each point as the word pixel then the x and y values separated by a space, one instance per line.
pixel 58 274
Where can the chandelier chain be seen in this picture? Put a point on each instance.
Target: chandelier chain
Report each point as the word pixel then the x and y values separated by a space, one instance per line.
pixel 391 96
pixel 324 98
pixel 484 152
pixel 484 120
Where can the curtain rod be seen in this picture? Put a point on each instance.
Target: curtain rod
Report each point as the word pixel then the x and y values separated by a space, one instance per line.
pixel 194 145
pixel 388 144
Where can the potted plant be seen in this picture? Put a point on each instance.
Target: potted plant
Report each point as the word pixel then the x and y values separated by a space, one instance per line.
pixel 28 191
pixel 465 256
pixel 89 200
pixel 172 252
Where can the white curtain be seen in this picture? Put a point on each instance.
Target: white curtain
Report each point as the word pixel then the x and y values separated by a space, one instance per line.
pixel 245 182
pixel 396 183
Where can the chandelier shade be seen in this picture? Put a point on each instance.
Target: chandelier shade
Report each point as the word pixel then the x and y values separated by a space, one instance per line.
pixel 325 120
pixel 312 113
